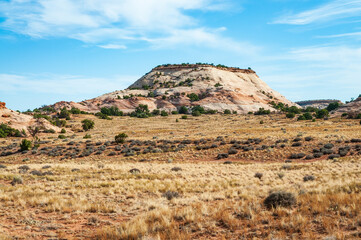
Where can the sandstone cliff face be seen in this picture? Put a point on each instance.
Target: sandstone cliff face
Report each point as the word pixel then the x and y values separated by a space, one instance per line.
pixel 167 87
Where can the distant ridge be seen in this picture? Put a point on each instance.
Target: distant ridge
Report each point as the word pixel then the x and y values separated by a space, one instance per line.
pixel 320 103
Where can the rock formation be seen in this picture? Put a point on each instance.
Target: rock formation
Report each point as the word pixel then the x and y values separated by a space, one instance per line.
pixel 2 105
pixel 22 121
pixel 352 108
pixel 320 104
pixel 169 87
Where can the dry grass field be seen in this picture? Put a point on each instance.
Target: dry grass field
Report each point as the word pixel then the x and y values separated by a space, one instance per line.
pixel 185 192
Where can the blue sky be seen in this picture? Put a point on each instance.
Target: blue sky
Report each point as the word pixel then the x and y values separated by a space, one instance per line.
pixel 53 50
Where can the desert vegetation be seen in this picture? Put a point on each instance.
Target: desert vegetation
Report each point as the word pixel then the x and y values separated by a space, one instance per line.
pixel 216 176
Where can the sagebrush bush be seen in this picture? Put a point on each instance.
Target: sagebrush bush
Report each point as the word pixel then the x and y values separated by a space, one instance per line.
pixel 87 124
pixel 120 138
pixel 61 136
pixel 25 145
pixel 170 195
pixel 280 199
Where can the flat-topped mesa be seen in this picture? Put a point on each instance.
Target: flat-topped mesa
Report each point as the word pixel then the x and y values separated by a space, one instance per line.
pixel 192 66
pixel 320 103
pixel 169 87
pixel 2 105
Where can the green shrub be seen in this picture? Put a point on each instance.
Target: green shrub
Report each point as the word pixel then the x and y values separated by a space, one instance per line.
pixel 156 112
pixel 141 111
pixel 183 110
pixel 151 94
pixel 184 117
pixel 25 145
pixel 87 136
pixel 196 113
pixel 322 113
pixel 262 111
pixel 6 131
pixel 38 116
pixel 64 113
pixel 311 109
pixel 193 97
pixel 75 110
pixel 198 109
pixel 59 123
pixel 218 85
pixel 174 112
pixel 87 124
pixel 307 116
pixel 333 106
pixel 290 115
pixel 120 138
pixel 227 111
pixel 294 110
pixel 49 131
pixel 103 116
pixel 164 113
pixel 63 131
pixel 61 136
pixel 111 111
pixel 301 118
pixel 211 111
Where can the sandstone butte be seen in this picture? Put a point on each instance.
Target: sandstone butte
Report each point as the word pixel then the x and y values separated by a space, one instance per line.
pixel 22 121
pixel 167 87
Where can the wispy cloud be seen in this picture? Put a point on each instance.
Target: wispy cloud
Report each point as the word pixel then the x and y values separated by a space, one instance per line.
pixel 353 35
pixel 67 85
pixel 336 9
pixel 112 24
pixel 317 72
pixel 113 46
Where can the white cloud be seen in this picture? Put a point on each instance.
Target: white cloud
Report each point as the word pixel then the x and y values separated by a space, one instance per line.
pixel 354 34
pixel 103 22
pixel 336 9
pixel 317 72
pixel 113 46
pixel 63 84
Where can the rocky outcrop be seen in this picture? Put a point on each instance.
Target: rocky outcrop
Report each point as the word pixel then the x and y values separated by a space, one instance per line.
pixel 352 108
pixel 2 105
pixel 169 87
pixel 22 121
pixel 320 104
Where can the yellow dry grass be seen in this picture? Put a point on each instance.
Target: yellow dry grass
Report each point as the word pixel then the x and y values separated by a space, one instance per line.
pixel 103 200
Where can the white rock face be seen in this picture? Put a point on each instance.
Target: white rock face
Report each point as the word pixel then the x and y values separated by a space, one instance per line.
pixel 22 121
pixel 167 87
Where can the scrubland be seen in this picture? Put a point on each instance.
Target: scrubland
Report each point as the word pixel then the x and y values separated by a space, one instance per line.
pixel 186 192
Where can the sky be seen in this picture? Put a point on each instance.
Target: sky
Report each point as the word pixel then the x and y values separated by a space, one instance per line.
pixel 72 50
